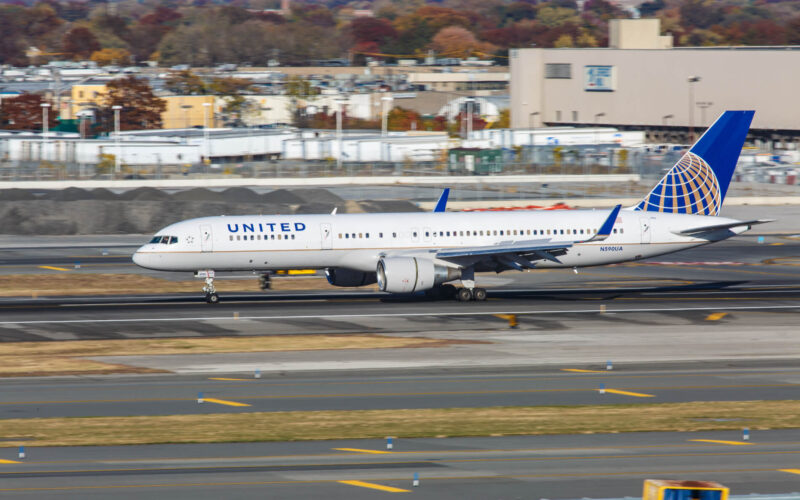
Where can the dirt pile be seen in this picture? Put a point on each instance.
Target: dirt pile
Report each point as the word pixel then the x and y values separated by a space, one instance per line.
pixel 146 210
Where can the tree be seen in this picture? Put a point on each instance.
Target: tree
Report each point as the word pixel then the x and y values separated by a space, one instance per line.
pixel 700 13
pixel 141 109
pixel 24 112
pixel 185 83
pixel 503 121
pixel 107 57
pixel 455 41
pixel 12 45
pixel 564 41
pixel 402 119
pixel 300 92
pixel 80 43
pixel 232 90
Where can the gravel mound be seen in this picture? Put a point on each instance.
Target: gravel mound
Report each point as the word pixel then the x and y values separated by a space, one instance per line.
pixel 15 194
pixel 103 194
pixel 241 195
pixel 144 194
pixel 314 208
pixel 199 194
pixel 390 206
pixel 317 195
pixel 69 194
pixel 283 196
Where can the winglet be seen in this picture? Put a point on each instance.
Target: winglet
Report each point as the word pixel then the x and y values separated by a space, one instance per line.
pixel 608 225
pixel 441 205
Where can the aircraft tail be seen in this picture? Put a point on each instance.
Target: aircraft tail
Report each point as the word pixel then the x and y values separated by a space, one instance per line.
pixel 697 184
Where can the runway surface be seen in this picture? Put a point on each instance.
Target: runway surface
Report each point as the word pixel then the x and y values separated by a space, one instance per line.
pixel 554 467
pixel 172 395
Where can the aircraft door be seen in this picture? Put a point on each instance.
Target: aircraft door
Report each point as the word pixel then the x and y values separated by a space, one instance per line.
pixel 206 238
pixel 646 227
pixel 326 235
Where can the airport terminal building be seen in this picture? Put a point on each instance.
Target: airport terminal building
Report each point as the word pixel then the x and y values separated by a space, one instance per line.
pixel 642 82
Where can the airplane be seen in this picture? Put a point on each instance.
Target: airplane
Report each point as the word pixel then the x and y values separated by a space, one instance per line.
pixel 426 252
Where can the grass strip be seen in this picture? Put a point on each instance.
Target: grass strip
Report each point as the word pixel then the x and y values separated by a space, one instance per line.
pixel 79 283
pixel 377 424
pixel 51 358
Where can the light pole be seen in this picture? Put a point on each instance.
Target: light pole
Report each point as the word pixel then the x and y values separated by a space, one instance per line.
pixel 45 127
pixel 691 80
pixel 596 116
pixel 117 156
pixel 469 102
pixel 339 105
pixel 207 146
pixel 186 108
pixel 385 100
pixel 703 105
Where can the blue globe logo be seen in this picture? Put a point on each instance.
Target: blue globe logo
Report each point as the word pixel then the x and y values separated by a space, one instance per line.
pixel 690 187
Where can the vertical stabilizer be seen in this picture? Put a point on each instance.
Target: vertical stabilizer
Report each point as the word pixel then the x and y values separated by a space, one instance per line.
pixel 697 184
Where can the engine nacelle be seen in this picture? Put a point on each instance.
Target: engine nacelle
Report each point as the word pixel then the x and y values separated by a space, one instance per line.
pixel 347 277
pixel 412 274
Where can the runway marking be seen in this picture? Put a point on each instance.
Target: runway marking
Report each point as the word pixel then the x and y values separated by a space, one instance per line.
pixel 578 370
pixel 521 312
pixel 393 394
pixel 359 450
pixel 775 244
pixel 224 402
pixel 9 461
pixel 374 486
pixel 716 316
pixel 628 393
pixel 719 441
pixel 53 268
pixel 790 471
pixel 231 379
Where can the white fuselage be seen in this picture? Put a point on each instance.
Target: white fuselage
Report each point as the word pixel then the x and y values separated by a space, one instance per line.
pixel 358 241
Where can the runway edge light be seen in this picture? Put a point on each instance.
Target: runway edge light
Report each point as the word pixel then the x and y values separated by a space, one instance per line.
pixel 416 479
pixel 746 434
pixel 199 398
pixel 389 443
pixel 602 388
pixel 21 453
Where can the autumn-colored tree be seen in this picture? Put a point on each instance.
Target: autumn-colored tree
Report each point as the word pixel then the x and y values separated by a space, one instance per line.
pixel 185 83
pixel 403 119
pixel 503 121
pixel 455 41
pixel 24 112
pixel 233 90
pixel 141 108
pixel 80 43
pixel 107 57
pixel 12 44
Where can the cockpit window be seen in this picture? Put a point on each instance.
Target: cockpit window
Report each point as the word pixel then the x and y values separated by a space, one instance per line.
pixel 164 240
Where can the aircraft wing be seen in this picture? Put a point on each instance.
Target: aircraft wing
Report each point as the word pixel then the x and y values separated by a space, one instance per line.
pixel 696 231
pixel 521 254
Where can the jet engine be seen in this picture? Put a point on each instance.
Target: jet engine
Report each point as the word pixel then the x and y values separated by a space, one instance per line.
pixel 347 277
pixel 412 274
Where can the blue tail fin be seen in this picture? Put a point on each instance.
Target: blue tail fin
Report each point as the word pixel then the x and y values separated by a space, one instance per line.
pixel 698 182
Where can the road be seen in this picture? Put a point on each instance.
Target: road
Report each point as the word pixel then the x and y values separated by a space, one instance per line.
pixel 554 467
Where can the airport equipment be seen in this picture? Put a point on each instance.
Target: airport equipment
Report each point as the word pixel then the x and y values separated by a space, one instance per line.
pixel 21 453
pixel 746 434
pixel 664 489
pixel 257 374
pixel 602 388
pixel 199 398
pixel 389 443
pixel 609 365
pixel 416 479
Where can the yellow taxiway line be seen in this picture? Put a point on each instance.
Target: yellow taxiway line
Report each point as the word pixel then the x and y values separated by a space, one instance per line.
pixel 719 441
pixel 224 402
pixel 790 471
pixel 374 486
pixel 578 370
pixel 54 268
pixel 628 393
pixel 716 316
pixel 231 379
pixel 359 450
pixel 8 461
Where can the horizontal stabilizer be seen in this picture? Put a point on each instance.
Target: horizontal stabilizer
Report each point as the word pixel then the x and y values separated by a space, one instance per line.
pixel 717 227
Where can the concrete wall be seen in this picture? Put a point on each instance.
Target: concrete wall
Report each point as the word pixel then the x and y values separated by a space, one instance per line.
pixel 652 84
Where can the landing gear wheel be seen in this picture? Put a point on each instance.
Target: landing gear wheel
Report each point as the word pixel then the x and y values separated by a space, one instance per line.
pixel 448 291
pixel 464 295
pixel 212 298
pixel 479 294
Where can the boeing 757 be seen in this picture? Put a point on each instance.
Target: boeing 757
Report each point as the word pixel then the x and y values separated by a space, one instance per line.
pixel 427 252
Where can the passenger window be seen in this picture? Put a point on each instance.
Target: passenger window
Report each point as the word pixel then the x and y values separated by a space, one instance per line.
pixel 231 237
pixel 340 236
pixel 292 236
pixel 620 230
pixel 481 233
pixel 279 236
pixel 548 231
pixel 415 234
pixel 380 235
pixel 562 231
pixel 366 235
pixel 615 231
pixel 353 235
pixel 347 235
pixel 501 232
pixel 360 235
pixel 441 233
pixel 272 237
pixel 427 234
pixel 448 233
pixel 238 237
pixel 394 235
pixel 252 237
pixel 461 233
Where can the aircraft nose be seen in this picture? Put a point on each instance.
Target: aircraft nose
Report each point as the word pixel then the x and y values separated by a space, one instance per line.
pixel 139 258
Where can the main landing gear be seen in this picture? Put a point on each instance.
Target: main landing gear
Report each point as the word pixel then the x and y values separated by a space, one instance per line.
pixel 468 294
pixel 212 297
